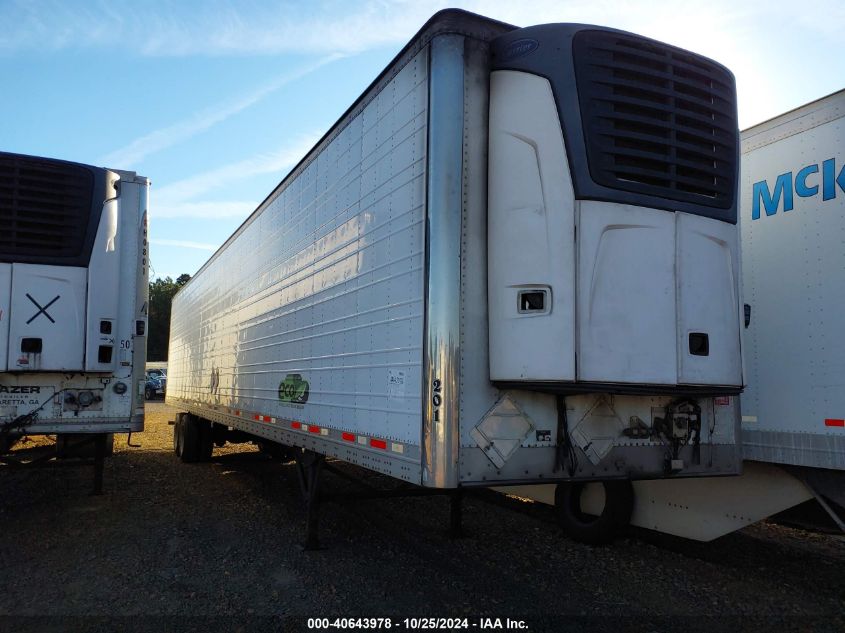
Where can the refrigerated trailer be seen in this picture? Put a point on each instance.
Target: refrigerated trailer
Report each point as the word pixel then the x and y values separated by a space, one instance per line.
pixel 513 259
pixel 73 299
pixel 793 408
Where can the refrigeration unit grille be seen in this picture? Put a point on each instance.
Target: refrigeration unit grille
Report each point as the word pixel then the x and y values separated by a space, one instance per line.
pixel 45 208
pixel 657 120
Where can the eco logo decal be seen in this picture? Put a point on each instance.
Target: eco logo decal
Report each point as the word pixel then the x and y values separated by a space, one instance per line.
pixel 293 389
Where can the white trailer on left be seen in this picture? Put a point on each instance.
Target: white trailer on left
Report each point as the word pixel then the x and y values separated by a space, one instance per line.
pixel 73 300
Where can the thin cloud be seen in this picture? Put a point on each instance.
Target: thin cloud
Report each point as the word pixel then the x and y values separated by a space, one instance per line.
pixel 129 155
pixel 215 28
pixel 275 162
pixel 209 210
pixel 182 199
pixel 186 244
pixel 227 27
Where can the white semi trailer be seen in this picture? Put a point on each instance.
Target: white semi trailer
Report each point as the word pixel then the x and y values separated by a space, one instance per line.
pixel 793 408
pixel 73 300
pixel 512 260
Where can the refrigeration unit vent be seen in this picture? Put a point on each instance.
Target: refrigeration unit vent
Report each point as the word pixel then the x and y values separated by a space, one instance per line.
pixel 45 208
pixel 657 120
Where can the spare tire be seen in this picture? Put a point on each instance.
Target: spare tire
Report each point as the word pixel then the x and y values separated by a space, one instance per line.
pixel 586 528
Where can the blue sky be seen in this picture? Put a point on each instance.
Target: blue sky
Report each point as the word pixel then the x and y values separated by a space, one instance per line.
pixel 216 100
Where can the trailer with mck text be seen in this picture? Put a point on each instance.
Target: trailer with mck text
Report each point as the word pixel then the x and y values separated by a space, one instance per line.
pixel 512 260
pixel 73 303
pixel 793 408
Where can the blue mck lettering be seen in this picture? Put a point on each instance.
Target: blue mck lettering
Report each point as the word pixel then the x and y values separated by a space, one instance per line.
pixel 771 200
pixel 804 185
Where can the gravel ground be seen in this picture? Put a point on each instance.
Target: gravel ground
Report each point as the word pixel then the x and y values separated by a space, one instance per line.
pixel 221 542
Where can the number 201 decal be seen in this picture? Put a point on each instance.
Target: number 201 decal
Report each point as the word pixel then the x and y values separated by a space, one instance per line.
pixel 436 397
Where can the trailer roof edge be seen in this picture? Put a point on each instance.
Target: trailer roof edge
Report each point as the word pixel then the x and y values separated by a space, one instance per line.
pixel 446 21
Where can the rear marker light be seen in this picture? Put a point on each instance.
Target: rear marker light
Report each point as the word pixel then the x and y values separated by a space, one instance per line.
pixel 834 422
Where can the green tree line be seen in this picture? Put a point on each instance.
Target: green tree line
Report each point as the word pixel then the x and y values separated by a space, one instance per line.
pixel 161 297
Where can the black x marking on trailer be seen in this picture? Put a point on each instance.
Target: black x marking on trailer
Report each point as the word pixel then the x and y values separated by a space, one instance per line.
pixel 40 309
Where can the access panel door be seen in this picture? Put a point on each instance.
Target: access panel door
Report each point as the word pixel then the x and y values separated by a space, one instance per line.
pixel 708 302
pixel 626 295
pixel 47 318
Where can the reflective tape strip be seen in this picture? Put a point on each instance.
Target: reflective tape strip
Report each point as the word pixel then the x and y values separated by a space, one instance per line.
pixel 749 418
pixel 324 431
pixel 834 422
pixel 296 425
pixel 397 448
pixel 362 440
pixel 348 437
pixel 313 429
pixel 378 443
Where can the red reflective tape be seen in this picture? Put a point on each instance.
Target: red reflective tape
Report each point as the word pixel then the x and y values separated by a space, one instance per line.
pixel 295 425
pixel 266 418
pixel 349 437
pixel 313 429
pixel 378 443
pixel 834 422
pixel 237 412
pixel 256 417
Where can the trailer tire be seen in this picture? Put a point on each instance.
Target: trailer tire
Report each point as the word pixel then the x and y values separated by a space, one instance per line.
pixel 190 432
pixel 594 530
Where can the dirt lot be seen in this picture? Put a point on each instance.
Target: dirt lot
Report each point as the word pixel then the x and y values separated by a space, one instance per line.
pixel 222 540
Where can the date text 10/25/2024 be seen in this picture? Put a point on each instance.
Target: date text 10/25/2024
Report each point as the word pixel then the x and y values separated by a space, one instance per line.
pixel 417 623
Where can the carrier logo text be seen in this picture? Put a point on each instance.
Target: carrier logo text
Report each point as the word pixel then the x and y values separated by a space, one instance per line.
pixel 294 389
pixel 5 389
pixel 806 184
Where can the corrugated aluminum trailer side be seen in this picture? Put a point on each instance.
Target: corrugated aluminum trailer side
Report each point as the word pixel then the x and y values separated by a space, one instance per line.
pixel 349 315
pixel 319 300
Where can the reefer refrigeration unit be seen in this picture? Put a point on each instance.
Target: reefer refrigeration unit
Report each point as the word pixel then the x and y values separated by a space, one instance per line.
pixel 73 298
pixel 793 408
pixel 513 259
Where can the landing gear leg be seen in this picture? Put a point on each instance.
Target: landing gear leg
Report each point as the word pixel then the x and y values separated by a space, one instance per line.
pixel 309 465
